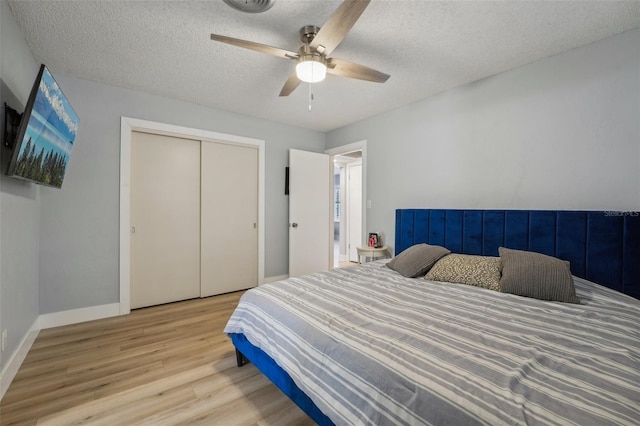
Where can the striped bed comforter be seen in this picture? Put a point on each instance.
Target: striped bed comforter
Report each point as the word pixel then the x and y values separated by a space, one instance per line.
pixel 369 346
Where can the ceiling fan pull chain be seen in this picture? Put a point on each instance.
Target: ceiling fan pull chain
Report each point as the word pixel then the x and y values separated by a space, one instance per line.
pixel 310 97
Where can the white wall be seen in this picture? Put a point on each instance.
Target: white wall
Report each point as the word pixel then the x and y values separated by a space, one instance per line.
pixel 79 223
pixel 560 133
pixel 19 201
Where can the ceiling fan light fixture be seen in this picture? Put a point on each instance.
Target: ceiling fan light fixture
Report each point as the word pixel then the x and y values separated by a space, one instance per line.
pixel 318 43
pixel 311 68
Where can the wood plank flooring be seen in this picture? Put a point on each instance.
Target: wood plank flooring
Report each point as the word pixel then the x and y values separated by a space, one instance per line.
pixel 164 365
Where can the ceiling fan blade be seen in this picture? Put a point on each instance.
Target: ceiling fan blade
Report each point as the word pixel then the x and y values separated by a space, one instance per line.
pixel 338 25
pixel 292 82
pixel 351 70
pixel 270 50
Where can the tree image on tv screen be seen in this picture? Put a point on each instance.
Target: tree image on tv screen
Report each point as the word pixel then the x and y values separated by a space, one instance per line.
pixel 48 137
pixel 47 168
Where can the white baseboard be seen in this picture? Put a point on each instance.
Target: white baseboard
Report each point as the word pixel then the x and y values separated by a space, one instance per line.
pixel 11 368
pixel 74 316
pixel 274 279
pixel 44 321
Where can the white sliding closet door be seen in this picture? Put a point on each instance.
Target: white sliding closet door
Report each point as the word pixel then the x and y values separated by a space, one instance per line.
pixel 229 218
pixel 165 219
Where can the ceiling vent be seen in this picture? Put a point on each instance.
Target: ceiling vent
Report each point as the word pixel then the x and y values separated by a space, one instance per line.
pixel 251 6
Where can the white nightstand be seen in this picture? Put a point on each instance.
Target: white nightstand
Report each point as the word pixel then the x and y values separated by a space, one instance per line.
pixel 372 252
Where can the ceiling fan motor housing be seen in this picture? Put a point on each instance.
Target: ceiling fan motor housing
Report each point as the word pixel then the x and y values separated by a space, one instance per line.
pixel 308 32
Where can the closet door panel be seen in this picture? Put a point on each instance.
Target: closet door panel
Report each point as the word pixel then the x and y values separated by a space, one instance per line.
pixel 229 196
pixel 165 219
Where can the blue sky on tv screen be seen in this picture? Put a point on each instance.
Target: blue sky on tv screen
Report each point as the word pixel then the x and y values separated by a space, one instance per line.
pixel 53 123
pixel 55 108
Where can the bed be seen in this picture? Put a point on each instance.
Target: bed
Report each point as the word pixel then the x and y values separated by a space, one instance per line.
pixel 366 345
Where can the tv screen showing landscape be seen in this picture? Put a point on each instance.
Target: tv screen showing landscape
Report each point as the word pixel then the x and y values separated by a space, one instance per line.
pixel 46 134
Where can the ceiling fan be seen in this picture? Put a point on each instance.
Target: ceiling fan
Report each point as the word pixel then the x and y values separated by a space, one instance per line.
pixel 313 61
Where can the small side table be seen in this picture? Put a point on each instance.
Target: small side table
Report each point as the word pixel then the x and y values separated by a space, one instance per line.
pixel 372 252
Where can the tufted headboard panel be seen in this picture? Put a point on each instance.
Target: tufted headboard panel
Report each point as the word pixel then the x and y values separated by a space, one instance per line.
pixel 602 246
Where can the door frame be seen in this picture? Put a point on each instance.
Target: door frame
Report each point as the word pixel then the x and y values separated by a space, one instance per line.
pixel 345 149
pixel 349 193
pixel 129 125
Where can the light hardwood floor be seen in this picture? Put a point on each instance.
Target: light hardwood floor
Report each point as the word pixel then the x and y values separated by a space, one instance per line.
pixel 164 365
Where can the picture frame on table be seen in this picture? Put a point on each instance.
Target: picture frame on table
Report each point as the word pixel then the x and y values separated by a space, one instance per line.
pixel 374 240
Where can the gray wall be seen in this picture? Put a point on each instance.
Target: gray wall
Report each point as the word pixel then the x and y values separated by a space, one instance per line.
pixel 19 201
pixel 560 133
pixel 79 228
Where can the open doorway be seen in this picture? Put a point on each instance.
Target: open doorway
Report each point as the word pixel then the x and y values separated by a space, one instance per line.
pixel 347 207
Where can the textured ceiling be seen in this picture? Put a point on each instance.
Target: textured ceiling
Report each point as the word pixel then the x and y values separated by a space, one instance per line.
pixel 427 47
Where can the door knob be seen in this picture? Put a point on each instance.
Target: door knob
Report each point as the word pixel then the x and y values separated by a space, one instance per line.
pixel 294 225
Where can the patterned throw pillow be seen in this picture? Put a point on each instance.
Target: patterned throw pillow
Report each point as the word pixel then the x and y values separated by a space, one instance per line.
pixel 479 271
pixel 416 260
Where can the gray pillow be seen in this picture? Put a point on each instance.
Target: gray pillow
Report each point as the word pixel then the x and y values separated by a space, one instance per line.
pixel 417 260
pixel 536 275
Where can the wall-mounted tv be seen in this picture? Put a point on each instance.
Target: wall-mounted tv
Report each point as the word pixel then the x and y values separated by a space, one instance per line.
pixel 46 134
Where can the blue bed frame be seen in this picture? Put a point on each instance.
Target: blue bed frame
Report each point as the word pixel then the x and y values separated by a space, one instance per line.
pixel 602 246
pixel 246 351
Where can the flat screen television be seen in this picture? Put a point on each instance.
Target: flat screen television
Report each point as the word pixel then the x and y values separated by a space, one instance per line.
pixel 46 134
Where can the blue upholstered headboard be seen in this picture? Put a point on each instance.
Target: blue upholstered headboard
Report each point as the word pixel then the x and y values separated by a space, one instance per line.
pixel 602 246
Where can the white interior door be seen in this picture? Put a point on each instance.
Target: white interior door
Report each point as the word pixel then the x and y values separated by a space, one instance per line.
pixel 229 218
pixel 165 219
pixel 354 208
pixel 310 213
